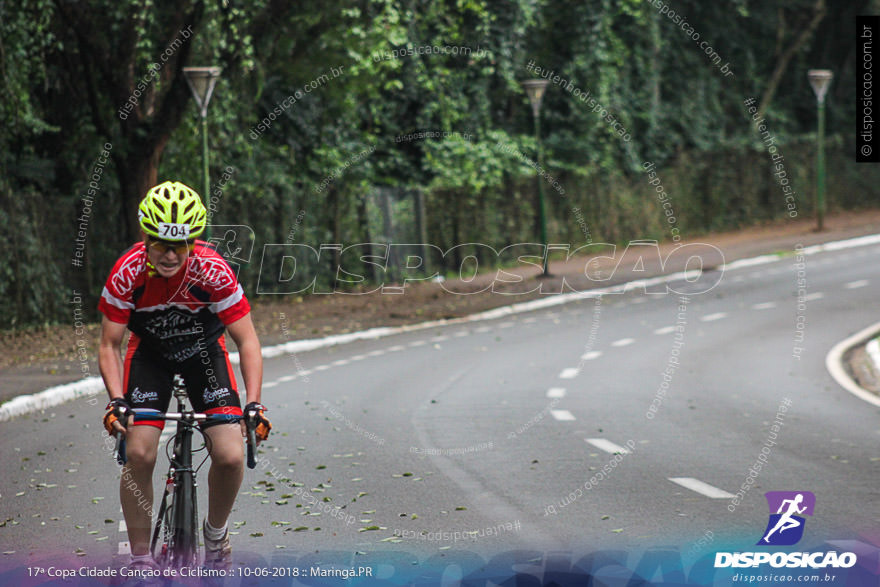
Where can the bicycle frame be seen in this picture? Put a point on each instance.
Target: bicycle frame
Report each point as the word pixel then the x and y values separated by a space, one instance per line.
pixel 177 522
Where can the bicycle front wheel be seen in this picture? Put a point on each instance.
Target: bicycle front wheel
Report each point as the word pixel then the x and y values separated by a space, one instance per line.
pixel 183 548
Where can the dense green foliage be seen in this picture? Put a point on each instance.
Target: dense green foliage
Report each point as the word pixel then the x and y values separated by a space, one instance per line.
pixel 345 89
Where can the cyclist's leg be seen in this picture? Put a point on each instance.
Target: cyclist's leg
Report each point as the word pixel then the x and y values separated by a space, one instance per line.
pixel 147 387
pixel 226 472
pixel 211 388
pixel 136 485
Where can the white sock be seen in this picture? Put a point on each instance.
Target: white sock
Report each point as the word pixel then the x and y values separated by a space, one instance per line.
pixel 212 533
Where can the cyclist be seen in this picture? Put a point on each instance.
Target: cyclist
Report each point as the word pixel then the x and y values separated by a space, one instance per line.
pixel 177 295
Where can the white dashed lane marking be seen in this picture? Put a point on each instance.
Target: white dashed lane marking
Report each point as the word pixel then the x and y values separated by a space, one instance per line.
pixel 569 373
pixel 764 306
pixel 395 348
pixel 814 296
pixel 418 343
pixel 665 330
pixel 701 487
pixel 556 392
pixel 591 355
pixel 713 317
pixel 608 446
pixel 376 353
pixel 856 284
pixel 623 342
pixel 562 415
pixel 286 378
pixel 270 385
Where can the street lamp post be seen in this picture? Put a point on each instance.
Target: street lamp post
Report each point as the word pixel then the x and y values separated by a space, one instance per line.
pixel 535 90
pixel 820 79
pixel 201 81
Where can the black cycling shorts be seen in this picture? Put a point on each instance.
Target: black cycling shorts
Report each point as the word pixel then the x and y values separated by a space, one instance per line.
pixel 210 381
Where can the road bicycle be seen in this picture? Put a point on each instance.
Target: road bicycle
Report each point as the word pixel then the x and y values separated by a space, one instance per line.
pixel 175 540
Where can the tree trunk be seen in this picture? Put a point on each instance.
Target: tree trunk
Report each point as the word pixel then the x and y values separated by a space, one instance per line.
pixel 782 64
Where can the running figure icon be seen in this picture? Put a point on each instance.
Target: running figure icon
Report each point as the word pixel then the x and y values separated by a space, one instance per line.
pixel 786 526
pixel 786 522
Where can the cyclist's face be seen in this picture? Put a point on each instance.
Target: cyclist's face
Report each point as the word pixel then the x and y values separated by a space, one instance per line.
pixel 167 258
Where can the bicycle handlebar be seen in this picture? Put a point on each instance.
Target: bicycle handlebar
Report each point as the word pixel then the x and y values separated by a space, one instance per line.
pixel 190 417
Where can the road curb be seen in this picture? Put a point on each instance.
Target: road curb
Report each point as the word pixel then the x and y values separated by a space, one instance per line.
pixel 93 385
pixel 834 363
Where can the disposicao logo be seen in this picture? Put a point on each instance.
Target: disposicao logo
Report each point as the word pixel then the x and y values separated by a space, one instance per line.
pixel 785 528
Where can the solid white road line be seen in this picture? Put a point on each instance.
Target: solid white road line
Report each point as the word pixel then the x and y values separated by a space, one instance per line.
pixel 591 355
pixel 713 317
pixel 556 392
pixel 702 488
pixel 834 364
pixel 569 373
pixel 94 385
pixel 623 342
pixel 562 415
pixel 607 446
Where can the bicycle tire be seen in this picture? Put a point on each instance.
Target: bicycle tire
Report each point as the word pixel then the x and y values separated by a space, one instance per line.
pixel 184 542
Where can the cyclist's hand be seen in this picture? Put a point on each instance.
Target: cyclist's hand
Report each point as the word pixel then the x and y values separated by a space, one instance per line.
pixel 118 411
pixel 253 415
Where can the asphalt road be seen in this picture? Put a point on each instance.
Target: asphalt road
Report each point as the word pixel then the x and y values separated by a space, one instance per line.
pixel 499 424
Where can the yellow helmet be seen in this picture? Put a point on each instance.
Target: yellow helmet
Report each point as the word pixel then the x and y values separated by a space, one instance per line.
pixel 172 211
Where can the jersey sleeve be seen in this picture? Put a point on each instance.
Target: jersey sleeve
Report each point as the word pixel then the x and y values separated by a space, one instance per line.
pixel 233 307
pixel 227 300
pixel 116 297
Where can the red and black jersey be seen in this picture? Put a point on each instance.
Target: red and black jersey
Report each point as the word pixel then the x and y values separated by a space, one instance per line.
pixel 177 316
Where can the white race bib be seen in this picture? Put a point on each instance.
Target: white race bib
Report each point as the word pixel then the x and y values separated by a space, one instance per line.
pixel 171 231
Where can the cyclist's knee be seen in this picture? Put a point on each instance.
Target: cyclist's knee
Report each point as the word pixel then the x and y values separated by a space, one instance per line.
pixel 230 460
pixel 142 447
pixel 141 457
